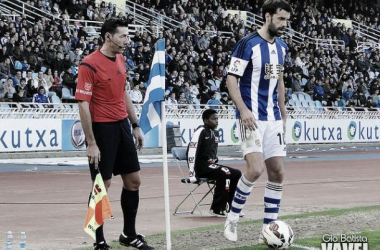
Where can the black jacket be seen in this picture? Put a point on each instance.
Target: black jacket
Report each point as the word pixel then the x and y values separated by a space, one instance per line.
pixel 202 150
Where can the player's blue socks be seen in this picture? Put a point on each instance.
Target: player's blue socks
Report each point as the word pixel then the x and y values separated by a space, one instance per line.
pixel 272 200
pixel 243 189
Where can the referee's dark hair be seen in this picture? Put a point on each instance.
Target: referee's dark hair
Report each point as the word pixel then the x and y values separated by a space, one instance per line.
pixel 271 6
pixel 207 113
pixel 111 25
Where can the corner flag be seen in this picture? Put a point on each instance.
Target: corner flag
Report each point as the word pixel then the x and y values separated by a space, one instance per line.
pixel 151 110
pixel 99 207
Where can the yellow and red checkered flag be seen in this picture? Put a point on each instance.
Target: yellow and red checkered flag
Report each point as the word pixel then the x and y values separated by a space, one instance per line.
pixel 99 207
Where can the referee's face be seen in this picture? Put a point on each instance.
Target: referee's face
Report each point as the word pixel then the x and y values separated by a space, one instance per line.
pixel 119 40
pixel 278 23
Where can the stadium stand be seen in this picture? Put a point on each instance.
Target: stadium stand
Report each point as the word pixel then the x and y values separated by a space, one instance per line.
pixel 337 43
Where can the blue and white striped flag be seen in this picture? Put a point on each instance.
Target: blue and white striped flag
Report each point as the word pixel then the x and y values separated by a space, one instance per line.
pixel 151 110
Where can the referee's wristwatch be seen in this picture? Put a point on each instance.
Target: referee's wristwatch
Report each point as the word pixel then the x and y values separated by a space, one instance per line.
pixel 135 125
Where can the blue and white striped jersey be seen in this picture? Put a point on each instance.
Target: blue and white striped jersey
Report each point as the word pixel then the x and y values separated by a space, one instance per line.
pixel 258 64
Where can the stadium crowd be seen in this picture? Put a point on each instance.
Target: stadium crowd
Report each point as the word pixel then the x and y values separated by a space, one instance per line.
pixel 48 53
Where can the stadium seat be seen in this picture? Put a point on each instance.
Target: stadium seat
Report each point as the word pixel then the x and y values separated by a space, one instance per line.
pixel 301 97
pixel 197 103
pixel 55 99
pixel 217 83
pixel 292 102
pixel 211 82
pixel 305 103
pixel 318 104
pixel 298 103
pixel 307 97
pixel 312 104
pixel 294 97
pixel 66 95
pixel 303 81
pixel 179 153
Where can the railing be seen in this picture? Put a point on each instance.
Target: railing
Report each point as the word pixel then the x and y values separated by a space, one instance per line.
pixel 296 36
pixel 362 46
pixel 70 111
pixel 366 31
pixel 92 27
pixel 26 9
pixel 11 15
pixel 143 15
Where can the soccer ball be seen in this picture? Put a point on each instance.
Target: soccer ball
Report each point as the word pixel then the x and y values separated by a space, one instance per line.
pixel 278 235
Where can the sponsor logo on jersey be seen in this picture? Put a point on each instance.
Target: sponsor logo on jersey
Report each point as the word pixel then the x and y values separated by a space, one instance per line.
pixel 235 66
pixel 87 86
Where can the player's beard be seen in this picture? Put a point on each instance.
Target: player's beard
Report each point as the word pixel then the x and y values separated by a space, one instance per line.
pixel 273 31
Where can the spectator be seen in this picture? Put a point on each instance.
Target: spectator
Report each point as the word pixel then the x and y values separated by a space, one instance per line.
pixel 318 92
pixel 31 88
pixel 224 101
pixel 347 95
pixel 8 90
pixel 182 101
pixel 171 101
pixel 309 86
pixel 19 96
pixel 76 54
pixel 213 102
pixel 69 81
pixel 5 68
pixel 41 96
pixel 340 102
pixel 17 78
pixel 296 85
pixel 57 84
pixel 375 98
pixel 135 94
pixel 43 82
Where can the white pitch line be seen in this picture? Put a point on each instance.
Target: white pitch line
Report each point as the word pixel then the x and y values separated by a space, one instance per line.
pixel 305 247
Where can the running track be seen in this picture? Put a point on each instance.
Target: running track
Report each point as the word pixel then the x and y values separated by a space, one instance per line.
pixel 50 203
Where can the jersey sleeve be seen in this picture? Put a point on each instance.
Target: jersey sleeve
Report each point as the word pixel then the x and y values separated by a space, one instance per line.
pixel 240 58
pixel 86 82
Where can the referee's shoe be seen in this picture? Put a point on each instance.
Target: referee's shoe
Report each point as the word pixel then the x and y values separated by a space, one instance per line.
pixel 137 242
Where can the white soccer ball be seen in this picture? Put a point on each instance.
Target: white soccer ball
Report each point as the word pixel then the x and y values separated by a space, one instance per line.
pixel 278 235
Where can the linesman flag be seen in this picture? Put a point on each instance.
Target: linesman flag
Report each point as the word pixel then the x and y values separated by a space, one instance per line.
pixel 99 207
pixel 151 110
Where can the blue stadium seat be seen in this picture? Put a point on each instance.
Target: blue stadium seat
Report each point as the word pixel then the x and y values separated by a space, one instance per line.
pixel 301 97
pixel 294 97
pixel 318 104
pixel 305 104
pixel 307 97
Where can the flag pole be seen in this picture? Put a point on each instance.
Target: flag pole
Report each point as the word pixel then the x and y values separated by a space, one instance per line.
pixel 166 176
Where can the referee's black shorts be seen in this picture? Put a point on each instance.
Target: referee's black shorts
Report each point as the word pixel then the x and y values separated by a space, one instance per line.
pixel 118 153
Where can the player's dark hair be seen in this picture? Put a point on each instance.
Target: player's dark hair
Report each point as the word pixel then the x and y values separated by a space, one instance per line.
pixel 207 113
pixel 271 7
pixel 111 25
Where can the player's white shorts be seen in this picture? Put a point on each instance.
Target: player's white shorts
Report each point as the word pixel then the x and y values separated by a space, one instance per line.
pixel 267 139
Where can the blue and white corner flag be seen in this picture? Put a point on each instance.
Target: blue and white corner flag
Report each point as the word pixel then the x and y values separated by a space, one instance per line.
pixel 154 95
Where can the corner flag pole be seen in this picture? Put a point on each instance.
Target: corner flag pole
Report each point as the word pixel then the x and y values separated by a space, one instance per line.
pixel 166 176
